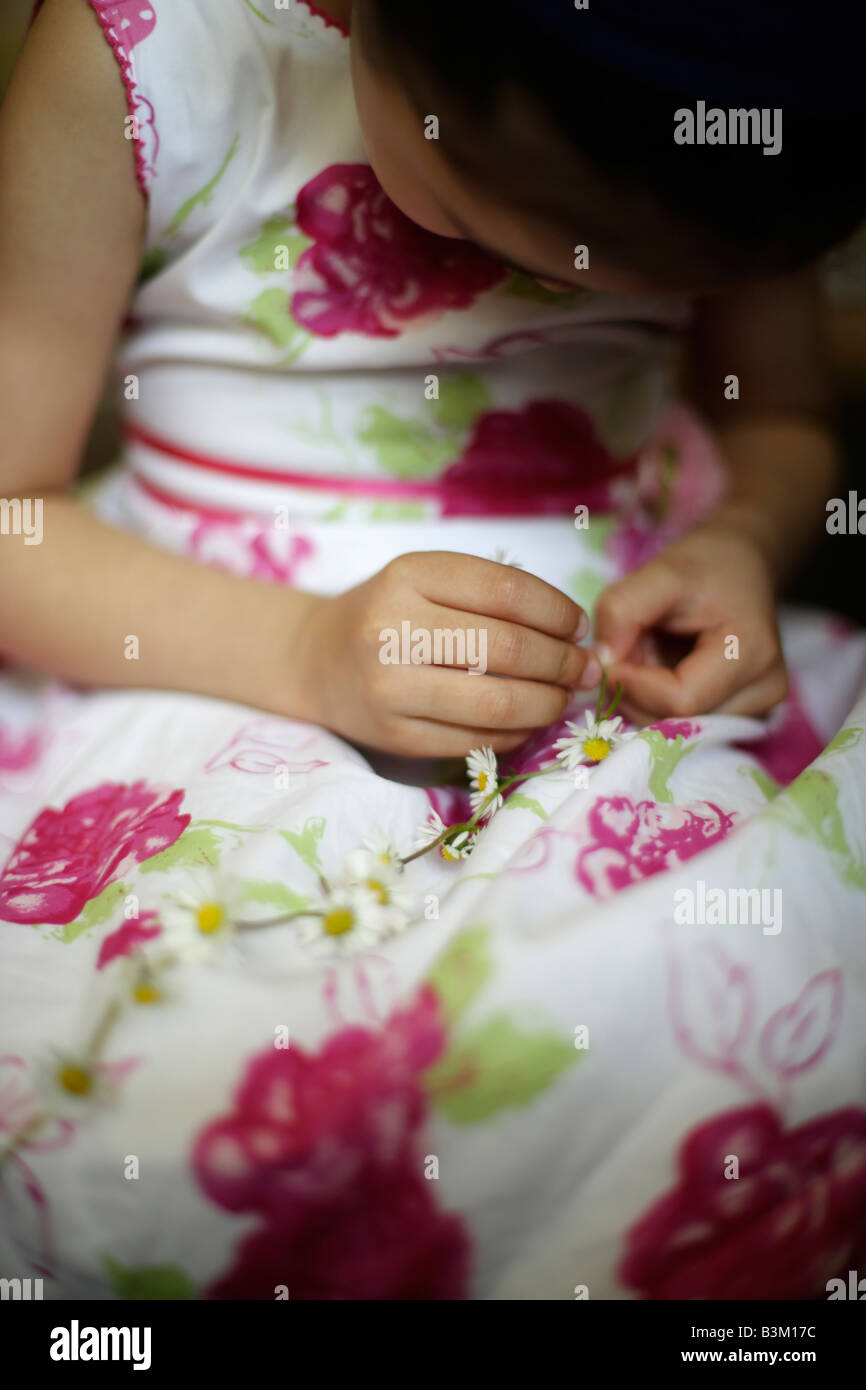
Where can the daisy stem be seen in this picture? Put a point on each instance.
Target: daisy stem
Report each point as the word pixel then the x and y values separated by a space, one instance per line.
pixel 279 921
pixel 508 782
pixel 100 1033
pixel 472 824
pixel 600 712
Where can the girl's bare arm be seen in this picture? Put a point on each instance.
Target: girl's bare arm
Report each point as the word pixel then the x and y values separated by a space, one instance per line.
pixel 71 230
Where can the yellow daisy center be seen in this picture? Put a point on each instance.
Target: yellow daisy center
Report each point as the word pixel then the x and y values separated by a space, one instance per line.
pixel 376 886
pixel 146 993
pixel 447 853
pixel 209 918
pixel 339 920
pixel 76 1080
pixel 597 748
pixel 482 781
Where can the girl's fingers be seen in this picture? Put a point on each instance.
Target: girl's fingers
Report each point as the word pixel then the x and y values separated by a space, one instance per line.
pixel 509 649
pixel 632 605
pixel 698 684
pixel 478 702
pixel 499 591
pixel 428 738
pixel 759 697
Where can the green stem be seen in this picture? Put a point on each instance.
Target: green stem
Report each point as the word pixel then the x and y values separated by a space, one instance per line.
pixel 100 1033
pixel 456 829
pixel 279 921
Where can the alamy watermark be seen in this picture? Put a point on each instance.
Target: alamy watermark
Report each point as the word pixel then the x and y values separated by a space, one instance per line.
pixel 22 516
pixel 22 1290
pixel 729 907
pixel 77 1343
pixel 421 646
pixel 736 126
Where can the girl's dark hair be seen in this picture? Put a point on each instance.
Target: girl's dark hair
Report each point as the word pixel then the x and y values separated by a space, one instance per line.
pixel 665 208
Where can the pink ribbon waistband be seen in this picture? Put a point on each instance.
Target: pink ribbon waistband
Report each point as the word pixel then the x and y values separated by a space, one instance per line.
pixel 529 495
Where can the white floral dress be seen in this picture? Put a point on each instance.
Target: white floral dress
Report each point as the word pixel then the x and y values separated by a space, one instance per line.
pixel 611 1042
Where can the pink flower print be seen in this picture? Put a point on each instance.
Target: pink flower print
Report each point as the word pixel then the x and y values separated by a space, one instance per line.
pixel 245 548
pixel 794 1218
pixel 679 479
pixel 21 1106
pixel 790 742
pixel 539 460
pixel 265 745
pixel 325 1148
pixel 16 754
pixel 67 857
pixel 128 938
pixel 371 270
pixel 631 841
pixel 131 20
pixel 514 343
pixel 674 728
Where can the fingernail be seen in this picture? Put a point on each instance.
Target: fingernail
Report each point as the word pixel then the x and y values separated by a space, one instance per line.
pixel 591 674
pixel 582 628
pixel 604 654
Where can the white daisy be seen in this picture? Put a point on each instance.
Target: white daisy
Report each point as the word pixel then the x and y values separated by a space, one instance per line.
pixel 457 846
pixel 592 744
pixel 68 1085
pixel 484 779
pixel 352 919
pixel 428 833
pixel 382 847
pixel 147 984
pixel 382 874
pixel 198 914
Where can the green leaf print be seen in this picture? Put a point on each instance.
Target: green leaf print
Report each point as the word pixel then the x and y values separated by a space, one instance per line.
pixel 496 1067
pixel 809 807
pixel 518 801
pixel 665 753
pixel 258 14
pixel 763 781
pixel 204 195
pixel 405 448
pixel 262 255
pixel 462 970
pixel 462 398
pixel 196 848
pixel 586 586
pixel 98 911
pixel 156 1282
pixel 231 825
pixel 597 532
pixel 269 312
pixel 421 448
pixel 525 287
pixel 275 894
pixel 845 739
pixel 397 511
pixel 305 842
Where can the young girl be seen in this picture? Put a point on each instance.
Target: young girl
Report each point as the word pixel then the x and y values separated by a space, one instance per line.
pixel 400 286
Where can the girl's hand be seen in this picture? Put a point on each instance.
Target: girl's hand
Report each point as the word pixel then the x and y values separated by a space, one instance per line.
pixel 509 623
pixel 694 630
